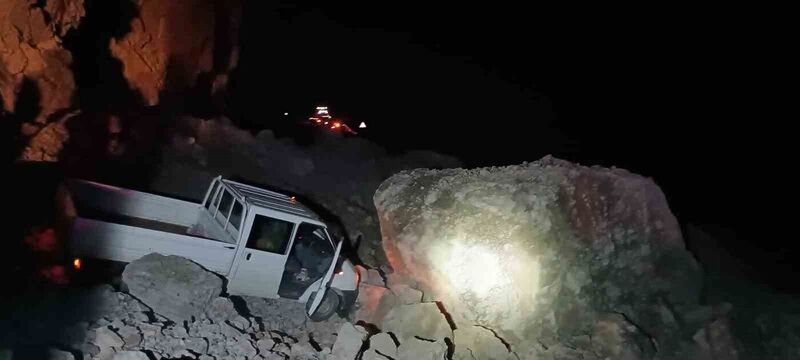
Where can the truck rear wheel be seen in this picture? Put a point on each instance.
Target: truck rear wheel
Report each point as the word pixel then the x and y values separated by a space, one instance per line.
pixel 328 306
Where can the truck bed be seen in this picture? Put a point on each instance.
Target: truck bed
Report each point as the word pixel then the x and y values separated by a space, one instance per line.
pixel 119 224
pixel 102 202
pixel 133 221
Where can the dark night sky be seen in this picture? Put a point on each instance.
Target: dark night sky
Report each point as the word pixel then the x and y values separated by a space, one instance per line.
pixel 692 97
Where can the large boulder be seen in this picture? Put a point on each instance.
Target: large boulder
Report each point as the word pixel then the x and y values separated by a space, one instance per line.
pixel 172 286
pixel 540 253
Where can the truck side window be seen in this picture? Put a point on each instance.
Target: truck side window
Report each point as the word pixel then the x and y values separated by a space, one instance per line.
pixel 269 234
pixel 225 205
pixel 211 195
pixel 236 215
pixel 215 204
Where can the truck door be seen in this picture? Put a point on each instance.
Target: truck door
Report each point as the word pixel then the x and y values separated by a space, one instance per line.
pixel 323 286
pixel 261 258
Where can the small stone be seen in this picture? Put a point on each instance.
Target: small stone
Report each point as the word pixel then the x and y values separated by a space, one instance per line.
pixel 417 349
pixel 265 345
pixel 130 336
pixel 91 350
pixel 349 341
pixel 244 348
pixel 221 309
pixel 282 348
pixel 240 323
pixel 424 320
pixel 176 331
pixel 406 294
pixel 130 355
pixel 139 317
pixel 230 331
pixel 382 343
pixel 475 342
pixel 374 302
pixel 54 354
pixel 374 278
pixel 198 345
pixel 108 341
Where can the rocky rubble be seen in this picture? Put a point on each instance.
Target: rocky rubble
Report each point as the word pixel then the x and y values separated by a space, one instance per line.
pixel 106 324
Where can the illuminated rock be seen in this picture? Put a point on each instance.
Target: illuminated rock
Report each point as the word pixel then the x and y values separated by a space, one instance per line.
pixel 418 320
pixel 538 251
pixel 475 342
pixel 380 346
pixel 416 349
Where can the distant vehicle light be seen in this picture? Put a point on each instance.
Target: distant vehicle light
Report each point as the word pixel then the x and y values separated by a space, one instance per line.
pixel 285 114
pixel 77 263
pixel 363 125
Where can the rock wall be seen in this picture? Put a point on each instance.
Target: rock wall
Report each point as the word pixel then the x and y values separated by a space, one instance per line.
pixel 184 49
pixel 31 49
pixel 171 43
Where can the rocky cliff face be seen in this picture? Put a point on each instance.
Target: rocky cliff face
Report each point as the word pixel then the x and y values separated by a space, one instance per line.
pixel 171 43
pixel 31 49
pixel 184 49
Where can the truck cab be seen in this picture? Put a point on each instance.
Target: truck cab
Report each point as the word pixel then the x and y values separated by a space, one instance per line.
pixel 265 243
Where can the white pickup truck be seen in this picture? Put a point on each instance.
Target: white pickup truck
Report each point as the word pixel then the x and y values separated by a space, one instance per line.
pixel 264 243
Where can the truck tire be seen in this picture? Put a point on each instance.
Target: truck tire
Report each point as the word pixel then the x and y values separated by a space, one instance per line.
pixel 328 307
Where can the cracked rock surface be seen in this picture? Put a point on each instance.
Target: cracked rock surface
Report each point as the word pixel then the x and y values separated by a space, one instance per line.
pixel 547 259
pixel 31 33
pixel 171 43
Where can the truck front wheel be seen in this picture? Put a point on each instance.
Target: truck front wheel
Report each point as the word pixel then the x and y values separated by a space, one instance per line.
pixel 328 306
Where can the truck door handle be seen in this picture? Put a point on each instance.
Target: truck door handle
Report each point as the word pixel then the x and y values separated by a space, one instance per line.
pixel 230 247
pixel 248 256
